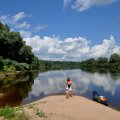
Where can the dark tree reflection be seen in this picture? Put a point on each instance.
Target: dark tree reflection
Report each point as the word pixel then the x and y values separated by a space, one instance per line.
pixel 12 92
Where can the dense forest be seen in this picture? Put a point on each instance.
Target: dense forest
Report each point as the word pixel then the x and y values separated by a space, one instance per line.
pixel 51 65
pixel 102 64
pixel 15 55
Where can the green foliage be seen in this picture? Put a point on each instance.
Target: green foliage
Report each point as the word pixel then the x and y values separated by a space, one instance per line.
pixel 102 64
pixel 103 60
pixel 1 63
pixel 7 62
pixel 25 54
pixel 118 67
pixel 11 69
pixel 114 58
pixel 4 27
pixel 38 112
pixel 21 116
pixel 8 65
pixel 35 64
pixel 21 66
pixel 2 74
pixel 11 113
pixel 5 68
pixel 7 112
pixel 13 47
pixel 49 65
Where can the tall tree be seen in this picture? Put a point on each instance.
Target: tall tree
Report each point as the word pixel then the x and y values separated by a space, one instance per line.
pixel 115 58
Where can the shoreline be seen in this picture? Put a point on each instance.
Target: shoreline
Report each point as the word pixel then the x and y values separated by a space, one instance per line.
pixel 57 107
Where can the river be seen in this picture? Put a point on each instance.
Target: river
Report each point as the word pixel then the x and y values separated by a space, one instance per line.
pixel 30 88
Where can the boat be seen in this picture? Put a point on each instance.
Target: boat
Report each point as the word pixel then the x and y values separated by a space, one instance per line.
pixel 100 99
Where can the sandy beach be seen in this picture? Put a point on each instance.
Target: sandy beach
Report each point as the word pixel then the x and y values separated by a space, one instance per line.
pixel 57 107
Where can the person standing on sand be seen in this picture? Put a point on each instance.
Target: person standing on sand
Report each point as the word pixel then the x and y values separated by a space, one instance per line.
pixel 68 88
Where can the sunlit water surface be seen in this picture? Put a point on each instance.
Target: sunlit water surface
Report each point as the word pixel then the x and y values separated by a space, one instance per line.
pixel 84 83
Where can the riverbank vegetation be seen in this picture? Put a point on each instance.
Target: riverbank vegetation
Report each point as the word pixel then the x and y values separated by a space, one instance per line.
pixel 10 113
pixel 15 56
pixel 20 112
pixel 102 64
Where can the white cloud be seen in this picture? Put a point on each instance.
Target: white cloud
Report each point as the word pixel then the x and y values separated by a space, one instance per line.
pixel 20 16
pixel 25 34
pixel 15 20
pixel 18 21
pixel 66 2
pixel 54 81
pixel 105 49
pixel 4 17
pixel 23 25
pixel 81 5
pixel 40 27
pixel 70 49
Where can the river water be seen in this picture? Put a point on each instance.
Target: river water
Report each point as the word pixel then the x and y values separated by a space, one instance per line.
pixel 31 88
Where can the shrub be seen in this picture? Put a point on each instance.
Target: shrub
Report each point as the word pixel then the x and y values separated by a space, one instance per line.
pixel 21 116
pixel 5 68
pixel 7 62
pixel 38 112
pixel 11 113
pixel 7 112
pixel 11 69
pixel 20 66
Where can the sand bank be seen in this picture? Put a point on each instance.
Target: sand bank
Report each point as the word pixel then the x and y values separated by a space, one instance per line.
pixel 76 108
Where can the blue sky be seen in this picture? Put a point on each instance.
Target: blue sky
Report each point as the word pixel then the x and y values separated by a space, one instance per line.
pixel 65 29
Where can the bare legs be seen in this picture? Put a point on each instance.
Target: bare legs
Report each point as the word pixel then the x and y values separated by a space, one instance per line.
pixel 68 94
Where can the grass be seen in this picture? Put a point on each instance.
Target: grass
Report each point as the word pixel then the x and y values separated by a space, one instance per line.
pixel 38 112
pixel 21 116
pixel 7 112
pixel 10 113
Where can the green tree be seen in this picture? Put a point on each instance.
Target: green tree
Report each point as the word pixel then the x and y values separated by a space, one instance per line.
pixel 102 60
pixel 13 47
pixel 114 58
pixel 35 64
pixel 25 54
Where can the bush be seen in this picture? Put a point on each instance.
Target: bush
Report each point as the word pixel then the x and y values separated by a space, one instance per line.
pixel 7 112
pixel 1 63
pixel 21 116
pixel 5 68
pixel 11 69
pixel 11 113
pixel 20 66
pixel 7 62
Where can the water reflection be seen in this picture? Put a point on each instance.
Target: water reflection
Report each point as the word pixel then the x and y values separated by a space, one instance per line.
pixel 84 84
pixel 13 91
pixel 33 87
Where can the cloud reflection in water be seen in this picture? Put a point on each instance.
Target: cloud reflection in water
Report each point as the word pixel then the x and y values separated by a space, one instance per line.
pixel 54 82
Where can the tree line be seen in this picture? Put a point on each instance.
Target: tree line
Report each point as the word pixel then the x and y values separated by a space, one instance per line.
pixel 15 55
pixel 102 64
